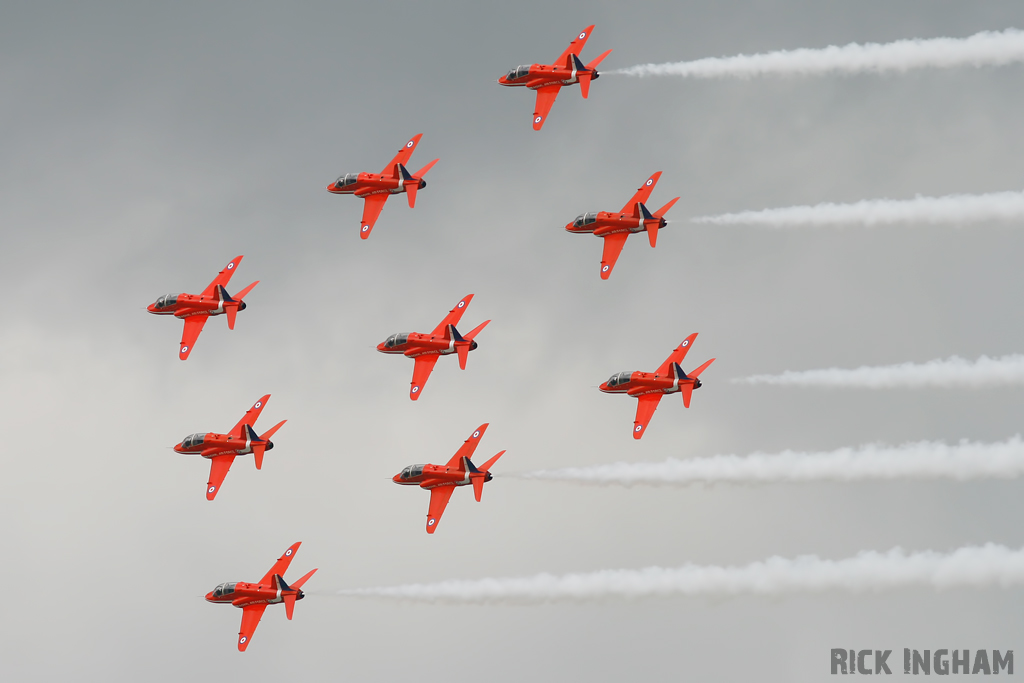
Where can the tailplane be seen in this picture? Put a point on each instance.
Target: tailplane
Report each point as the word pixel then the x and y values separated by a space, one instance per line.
pixel 233 305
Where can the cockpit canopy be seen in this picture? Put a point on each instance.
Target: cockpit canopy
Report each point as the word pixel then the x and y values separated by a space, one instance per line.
pixel 396 340
pixel 193 440
pixel 224 589
pixel 167 300
pixel 585 219
pixel 518 72
pixel 412 471
pixel 347 179
pixel 619 378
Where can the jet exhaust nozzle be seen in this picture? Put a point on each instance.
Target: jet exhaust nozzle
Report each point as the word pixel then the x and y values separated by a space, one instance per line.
pixel 270 446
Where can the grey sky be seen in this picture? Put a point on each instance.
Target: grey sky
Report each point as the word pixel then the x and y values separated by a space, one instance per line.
pixel 143 146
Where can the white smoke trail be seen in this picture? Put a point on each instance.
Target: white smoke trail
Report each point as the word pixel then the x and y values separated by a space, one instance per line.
pixel 988 48
pixel 924 459
pixel 956 209
pixel 972 566
pixel 948 373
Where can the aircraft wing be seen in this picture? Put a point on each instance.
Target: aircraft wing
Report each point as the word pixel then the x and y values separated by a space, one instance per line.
pixel 420 372
pixel 193 326
pixel 676 356
pixel 469 447
pixel 645 407
pixel 642 194
pixel 372 206
pixel 223 277
pixel 403 154
pixel 281 566
pixel 454 315
pixel 251 615
pixel 219 466
pixel 612 248
pixel 576 46
pixel 545 98
pixel 439 498
pixel 250 416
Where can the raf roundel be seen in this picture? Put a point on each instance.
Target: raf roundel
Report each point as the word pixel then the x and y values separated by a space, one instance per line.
pixel 231 265
pixel 409 144
pixel 288 552
pixel 415 389
pixel 649 182
pixel 686 342
pixel 258 404
pixel 365 228
pixel 583 35
pixel 476 433
pixel 430 522
pixel 462 304
pixel 604 269
pixel 242 639
pixel 211 489
pixel 537 120
pixel 184 349
pixel 638 428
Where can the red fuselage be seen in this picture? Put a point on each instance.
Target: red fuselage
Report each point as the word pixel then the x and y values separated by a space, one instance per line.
pixel 186 305
pixel 603 223
pixel 366 184
pixel 640 383
pixel 414 344
pixel 241 594
pixel 537 76
pixel 433 476
pixel 210 445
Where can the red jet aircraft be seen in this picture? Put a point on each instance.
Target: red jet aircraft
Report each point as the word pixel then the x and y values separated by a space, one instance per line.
pixel 253 598
pixel 442 480
pixel 616 227
pixel 196 310
pixel 427 348
pixel 547 79
pixel 648 388
pixel 375 189
pixel 221 449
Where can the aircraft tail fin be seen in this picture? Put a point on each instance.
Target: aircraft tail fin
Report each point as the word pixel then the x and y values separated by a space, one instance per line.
pixel 677 372
pixel 486 467
pixel 696 373
pixel 233 305
pixel 582 75
pixel 600 58
pixel 301 582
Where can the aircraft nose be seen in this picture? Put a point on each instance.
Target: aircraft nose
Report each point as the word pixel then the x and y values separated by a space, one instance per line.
pixel 397 478
pixel 380 347
pixel 151 308
pixel 209 596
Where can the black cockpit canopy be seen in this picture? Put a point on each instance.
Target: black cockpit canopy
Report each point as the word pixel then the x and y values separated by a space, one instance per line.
pixel 193 440
pixel 224 589
pixel 518 72
pixel 167 300
pixel 412 471
pixel 585 219
pixel 396 340
pixel 347 179
pixel 619 378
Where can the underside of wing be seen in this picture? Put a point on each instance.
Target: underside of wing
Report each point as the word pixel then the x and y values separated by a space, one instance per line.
pixel 420 372
pixel 454 315
pixel 576 46
pixel 545 99
pixel 281 566
pixel 250 416
pixel 642 194
pixel 403 154
pixel 251 615
pixel 645 407
pixel 219 466
pixel 193 326
pixel 372 206
pixel 467 449
pixel 439 498
pixel 223 277
pixel 677 355
pixel 612 248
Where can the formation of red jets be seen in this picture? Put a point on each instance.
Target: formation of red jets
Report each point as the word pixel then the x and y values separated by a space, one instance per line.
pixel 424 348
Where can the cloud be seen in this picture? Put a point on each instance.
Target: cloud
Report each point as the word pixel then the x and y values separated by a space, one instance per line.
pixel 948 373
pixel 921 460
pixel 988 48
pixel 969 567
pixel 950 209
